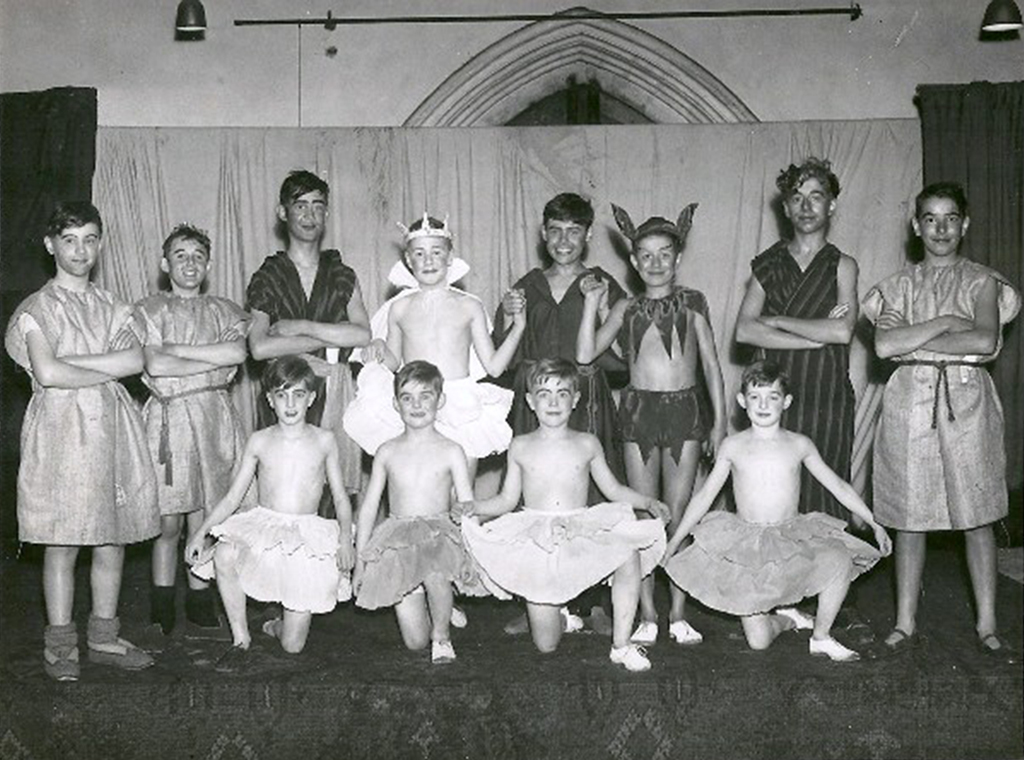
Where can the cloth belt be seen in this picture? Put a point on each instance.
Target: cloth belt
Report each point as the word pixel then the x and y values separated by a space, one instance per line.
pixel 164 455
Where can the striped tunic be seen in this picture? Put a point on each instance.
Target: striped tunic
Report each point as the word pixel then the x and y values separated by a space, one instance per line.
pixel 823 401
pixel 276 290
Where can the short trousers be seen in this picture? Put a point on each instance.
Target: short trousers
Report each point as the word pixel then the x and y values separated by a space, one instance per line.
pixel 662 419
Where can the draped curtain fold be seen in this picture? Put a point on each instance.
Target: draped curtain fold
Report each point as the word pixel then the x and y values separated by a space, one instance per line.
pixel 48 150
pixel 493 184
pixel 974 134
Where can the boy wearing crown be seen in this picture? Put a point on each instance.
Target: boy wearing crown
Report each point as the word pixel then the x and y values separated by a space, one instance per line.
pixel 435 322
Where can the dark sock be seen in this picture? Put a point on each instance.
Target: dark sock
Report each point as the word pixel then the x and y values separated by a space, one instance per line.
pixel 161 607
pixel 201 608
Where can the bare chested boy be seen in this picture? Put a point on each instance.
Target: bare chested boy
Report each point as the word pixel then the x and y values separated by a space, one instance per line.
pixel 556 547
pixel 281 551
pixel 434 322
pixel 418 548
pixel 768 555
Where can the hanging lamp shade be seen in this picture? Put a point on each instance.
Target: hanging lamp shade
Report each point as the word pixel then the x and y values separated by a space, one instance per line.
pixel 1002 16
pixel 191 16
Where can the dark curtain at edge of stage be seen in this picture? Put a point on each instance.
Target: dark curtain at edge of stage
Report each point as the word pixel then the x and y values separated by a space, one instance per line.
pixel 974 134
pixel 48 146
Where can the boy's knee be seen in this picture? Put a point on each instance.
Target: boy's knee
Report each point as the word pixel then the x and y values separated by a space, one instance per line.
pixel 416 642
pixel 546 647
pixel 758 641
pixel 225 556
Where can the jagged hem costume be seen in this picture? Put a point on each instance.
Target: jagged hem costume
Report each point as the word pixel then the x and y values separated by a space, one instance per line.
pixel 195 434
pixel 276 290
pixel 747 568
pixel 939 456
pixel 404 551
pixel 551 557
pixel 662 419
pixel 86 477
pixel 290 559
pixel 824 405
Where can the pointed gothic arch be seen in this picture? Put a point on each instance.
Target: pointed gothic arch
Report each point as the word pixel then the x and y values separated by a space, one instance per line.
pixel 536 60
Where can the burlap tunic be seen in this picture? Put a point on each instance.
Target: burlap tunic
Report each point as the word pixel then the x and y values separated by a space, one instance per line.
pixel 939 457
pixel 86 477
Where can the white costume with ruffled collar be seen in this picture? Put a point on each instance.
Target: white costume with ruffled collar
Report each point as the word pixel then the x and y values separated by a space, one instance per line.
pixel 474 414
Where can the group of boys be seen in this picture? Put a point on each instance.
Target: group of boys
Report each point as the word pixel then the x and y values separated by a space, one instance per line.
pixel 421 411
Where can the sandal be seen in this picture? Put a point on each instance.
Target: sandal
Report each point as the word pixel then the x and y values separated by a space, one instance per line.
pixel 904 641
pixel 1000 652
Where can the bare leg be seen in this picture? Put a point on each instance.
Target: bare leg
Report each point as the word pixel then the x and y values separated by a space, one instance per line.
pixel 107 564
pixel 910 554
pixel 625 595
pixel 980 544
pixel 829 602
pixel 193 521
pixel 225 559
pixel 414 620
pixel 165 550
pixel 545 625
pixel 643 477
pixel 59 583
pixel 678 480
pixel 439 601
pixel 292 630
pixel 762 630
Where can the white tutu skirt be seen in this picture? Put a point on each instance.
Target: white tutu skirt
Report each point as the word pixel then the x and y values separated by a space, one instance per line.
pixel 552 557
pixel 474 414
pixel 291 559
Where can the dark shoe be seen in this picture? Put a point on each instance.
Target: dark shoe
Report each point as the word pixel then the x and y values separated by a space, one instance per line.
pixel 106 648
pixel 995 648
pixel 903 642
pixel 201 608
pixel 598 621
pixel 60 652
pixel 161 607
pixel 857 631
pixel 517 626
pixel 233 660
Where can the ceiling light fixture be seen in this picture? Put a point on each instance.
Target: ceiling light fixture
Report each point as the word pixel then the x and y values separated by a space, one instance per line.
pixel 1002 16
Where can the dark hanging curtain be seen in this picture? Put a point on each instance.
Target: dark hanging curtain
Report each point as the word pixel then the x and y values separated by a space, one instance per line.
pixel 974 134
pixel 48 150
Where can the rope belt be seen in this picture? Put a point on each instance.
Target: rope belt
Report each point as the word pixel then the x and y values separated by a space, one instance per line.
pixel 941 385
pixel 164 455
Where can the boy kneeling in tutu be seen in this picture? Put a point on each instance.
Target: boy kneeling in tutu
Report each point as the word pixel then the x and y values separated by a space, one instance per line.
pixel 557 546
pixel 767 556
pixel 411 560
pixel 280 551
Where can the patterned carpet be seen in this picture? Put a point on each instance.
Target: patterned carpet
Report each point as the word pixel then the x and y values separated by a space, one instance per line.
pixel 356 692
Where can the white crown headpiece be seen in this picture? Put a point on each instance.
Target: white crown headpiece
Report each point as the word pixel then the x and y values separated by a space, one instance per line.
pixel 427 230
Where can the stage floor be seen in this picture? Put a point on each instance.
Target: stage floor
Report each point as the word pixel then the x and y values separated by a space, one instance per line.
pixel 356 692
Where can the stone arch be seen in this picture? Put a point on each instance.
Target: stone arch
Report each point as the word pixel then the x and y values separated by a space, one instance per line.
pixel 536 60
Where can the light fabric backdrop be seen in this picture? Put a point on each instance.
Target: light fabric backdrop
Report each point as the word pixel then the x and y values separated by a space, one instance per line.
pixel 493 184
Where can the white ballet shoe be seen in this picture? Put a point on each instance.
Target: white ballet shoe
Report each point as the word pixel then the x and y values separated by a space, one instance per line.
pixel 632 657
pixel 570 623
pixel 683 633
pixel 645 634
pixel 832 649
pixel 459 619
pixel 801 620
